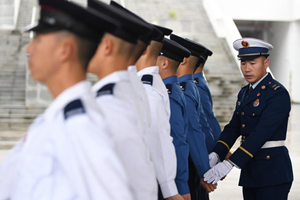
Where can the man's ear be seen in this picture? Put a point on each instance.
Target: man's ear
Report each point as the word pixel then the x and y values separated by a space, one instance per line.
pixel 107 45
pixel 166 64
pixel 184 61
pixel 67 48
pixel 266 63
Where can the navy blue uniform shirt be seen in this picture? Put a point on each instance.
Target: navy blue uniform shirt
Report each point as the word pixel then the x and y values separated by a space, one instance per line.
pixel 195 136
pixel 179 128
pixel 259 118
pixel 207 104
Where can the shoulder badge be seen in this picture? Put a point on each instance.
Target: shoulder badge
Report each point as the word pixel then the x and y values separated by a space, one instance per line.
pixel 147 79
pixel 169 87
pixel 106 89
pixel 276 87
pixel 182 86
pixel 196 80
pixel 73 108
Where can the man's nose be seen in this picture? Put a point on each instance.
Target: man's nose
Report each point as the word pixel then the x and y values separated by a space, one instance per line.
pixel 247 67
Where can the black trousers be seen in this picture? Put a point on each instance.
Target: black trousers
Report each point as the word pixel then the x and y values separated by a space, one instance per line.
pixel 277 192
pixel 197 191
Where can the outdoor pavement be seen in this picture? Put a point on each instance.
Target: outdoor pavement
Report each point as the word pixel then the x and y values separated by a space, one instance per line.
pixel 229 189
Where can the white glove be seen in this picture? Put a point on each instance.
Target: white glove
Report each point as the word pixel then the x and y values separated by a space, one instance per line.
pixel 213 159
pixel 217 172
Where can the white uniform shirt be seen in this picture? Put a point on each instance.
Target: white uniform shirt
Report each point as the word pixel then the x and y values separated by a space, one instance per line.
pixel 143 103
pixel 117 100
pixel 65 155
pixel 162 150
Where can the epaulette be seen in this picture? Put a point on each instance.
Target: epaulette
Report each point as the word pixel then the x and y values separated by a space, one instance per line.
pixel 182 86
pixel 196 80
pixel 169 87
pixel 147 79
pixel 106 89
pixel 74 108
pixel 274 85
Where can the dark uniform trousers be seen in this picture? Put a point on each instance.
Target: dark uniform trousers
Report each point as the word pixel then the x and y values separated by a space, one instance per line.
pixel 278 192
pixel 196 190
pixel 266 173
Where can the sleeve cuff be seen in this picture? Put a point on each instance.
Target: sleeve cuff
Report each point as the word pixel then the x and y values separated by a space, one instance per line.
pixel 183 188
pixel 234 164
pixel 169 189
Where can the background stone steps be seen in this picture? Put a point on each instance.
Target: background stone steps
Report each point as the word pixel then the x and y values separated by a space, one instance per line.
pixel 188 20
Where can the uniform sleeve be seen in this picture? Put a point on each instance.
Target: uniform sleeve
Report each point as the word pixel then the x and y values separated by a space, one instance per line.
pixel 275 113
pixel 178 132
pixel 208 110
pixel 96 168
pixel 131 148
pixel 36 179
pixel 162 150
pixel 206 129
pixel 196 138
pixel 228 137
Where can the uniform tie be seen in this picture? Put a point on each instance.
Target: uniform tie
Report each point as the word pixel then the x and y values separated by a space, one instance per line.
pixel 250 89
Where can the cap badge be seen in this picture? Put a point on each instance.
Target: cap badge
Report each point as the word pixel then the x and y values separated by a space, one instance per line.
pixel 256 103
pixel 245 44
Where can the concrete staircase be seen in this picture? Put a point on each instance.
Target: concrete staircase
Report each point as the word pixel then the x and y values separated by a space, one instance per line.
pixel 15 117
pixel 186 18
pixel 189 19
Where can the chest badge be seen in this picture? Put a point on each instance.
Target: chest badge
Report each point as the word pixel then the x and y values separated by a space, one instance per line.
pixel 256 103
pixel 258 94
pixel 238 103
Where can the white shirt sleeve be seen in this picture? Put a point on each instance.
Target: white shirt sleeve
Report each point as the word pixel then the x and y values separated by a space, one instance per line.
pixel 77 162
pixel 162 150
pixel 130 147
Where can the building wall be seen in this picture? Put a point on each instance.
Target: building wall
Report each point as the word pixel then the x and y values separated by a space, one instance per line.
pixel 284 58
pixel 266 10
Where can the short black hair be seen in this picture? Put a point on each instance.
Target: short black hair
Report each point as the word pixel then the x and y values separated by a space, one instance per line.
pixel 86 51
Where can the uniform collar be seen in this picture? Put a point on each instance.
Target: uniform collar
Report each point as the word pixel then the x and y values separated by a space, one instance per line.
pixel 256 84
pixel 185 78
pixel 132 68
pixel 199 75
pixel 76 91
pixel 170 80
pixel 148 70
pixel 117 76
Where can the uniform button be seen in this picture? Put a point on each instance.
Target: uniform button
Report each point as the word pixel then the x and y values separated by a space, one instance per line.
pixel 243 126
pixel 253 114
pixel 267 157
pixel 243 113
pixel 244 137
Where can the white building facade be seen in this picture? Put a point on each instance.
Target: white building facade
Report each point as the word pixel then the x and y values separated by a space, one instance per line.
pixel 275 21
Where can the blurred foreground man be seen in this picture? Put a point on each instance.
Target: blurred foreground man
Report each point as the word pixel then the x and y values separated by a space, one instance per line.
pixel 66 153
pixel 168 61
pixel 261 118
pixel 116 97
